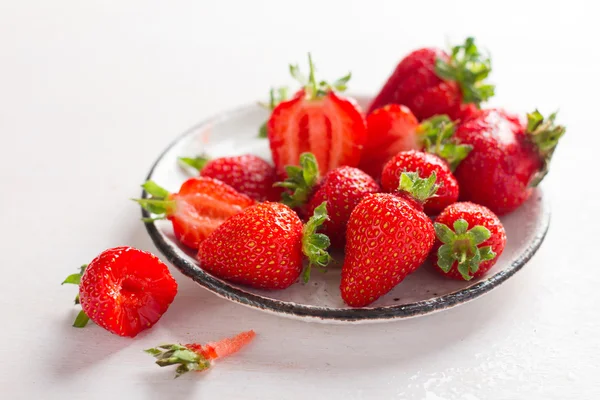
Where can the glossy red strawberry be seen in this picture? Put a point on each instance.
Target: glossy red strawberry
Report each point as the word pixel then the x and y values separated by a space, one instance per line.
pixel 424 164
pixel 390 130
pixel 124 290
pixel 318 120
pixel 431 82
pixel 263 246
pixel 470 239
pixel 388 237
pixel 508 158
pixel 198 357
pixel 342 189
pixel 248 174
pixel 200 206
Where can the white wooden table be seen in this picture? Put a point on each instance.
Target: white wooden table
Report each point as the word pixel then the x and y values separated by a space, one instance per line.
pixel 90 93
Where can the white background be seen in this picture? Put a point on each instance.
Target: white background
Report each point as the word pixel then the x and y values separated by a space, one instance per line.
pixel 92 91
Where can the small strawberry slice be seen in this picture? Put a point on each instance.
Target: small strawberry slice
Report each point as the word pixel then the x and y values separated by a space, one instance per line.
pixel 198 357
pixel 124 290
pixel 200 206
pixel 470 238
pixel 248 174
pixel 317 120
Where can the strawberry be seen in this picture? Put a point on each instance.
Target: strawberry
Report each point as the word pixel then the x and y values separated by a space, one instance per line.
pixel 263 246
pixel 423 164
pixel 200 206
pixel 431 82
pixel 198 357
pixel 390 130
pixel 124 290
pixel 470 238
pixel 393 129
pixel 248 174
pixel 388 237
pixel 318 120
pixel 508 157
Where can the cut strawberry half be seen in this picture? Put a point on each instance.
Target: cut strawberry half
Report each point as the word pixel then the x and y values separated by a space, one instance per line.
pixel 200 206
pixel 316 120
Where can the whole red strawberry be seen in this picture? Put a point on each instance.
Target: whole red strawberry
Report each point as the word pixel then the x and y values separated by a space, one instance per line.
pixel 123 290
pixel 393 129
pixel 424 164
pixel 470 239
pixel 431 82
pixel 342 189
pixel 318 120
pixel 200 206
pixel 248 174
pixel 263 246
pixel 198 357
pixel 508 157
pixel 390 130
pixel 388 237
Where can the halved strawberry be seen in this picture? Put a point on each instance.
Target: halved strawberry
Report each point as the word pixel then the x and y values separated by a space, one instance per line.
pixel 200 206
pixel 316 120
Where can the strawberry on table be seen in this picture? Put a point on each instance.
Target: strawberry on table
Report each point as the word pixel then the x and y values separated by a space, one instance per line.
pixel 198 357
pixel 124 290
pixel 263 246
pixel 248 174
pixel 319 120
pixel 470 238
pixel 200 206
pixel 430 81
pixel 508 159
pixel 341 188
pixel 424 164
pixel 388 237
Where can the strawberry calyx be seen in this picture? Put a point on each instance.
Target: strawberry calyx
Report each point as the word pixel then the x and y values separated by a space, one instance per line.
pixel 545 136
pixel 436 134
pixel 75 279
pixel 469 68
pixel 314 245
pixel 417 188
pixel 159 202
pixel 197 162
pixel 184 357
pixel 300 182
pixel 461 245
pixel 314 89
pixel 276 96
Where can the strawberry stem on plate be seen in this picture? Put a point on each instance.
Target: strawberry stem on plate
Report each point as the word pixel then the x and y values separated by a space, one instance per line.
pixel 418 188
pixel 301 181
pixel 545 135
pixel 75 279
pixel 436 134
pixel 314 245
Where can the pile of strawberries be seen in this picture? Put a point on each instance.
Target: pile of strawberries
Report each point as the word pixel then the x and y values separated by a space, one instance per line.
pixel 424 173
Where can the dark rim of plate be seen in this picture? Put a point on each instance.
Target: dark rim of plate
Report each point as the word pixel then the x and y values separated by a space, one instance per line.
pixel 235 294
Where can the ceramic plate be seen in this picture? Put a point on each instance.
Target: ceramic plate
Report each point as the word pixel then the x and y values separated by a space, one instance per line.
pixel 425 291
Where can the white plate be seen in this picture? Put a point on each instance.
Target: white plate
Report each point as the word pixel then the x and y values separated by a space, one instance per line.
pixel 425 291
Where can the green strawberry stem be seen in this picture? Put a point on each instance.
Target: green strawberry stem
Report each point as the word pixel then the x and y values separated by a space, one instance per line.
pixel 276 96
pixel 418 188
pixel 545 135
pixel 75 279
pixel 159 202
pixel 197 162
pixel 316 89
pixel 314 245
pixel 301 181
pixel 462 246
pixel 436 135
pixel 469 68
pixel 175 354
